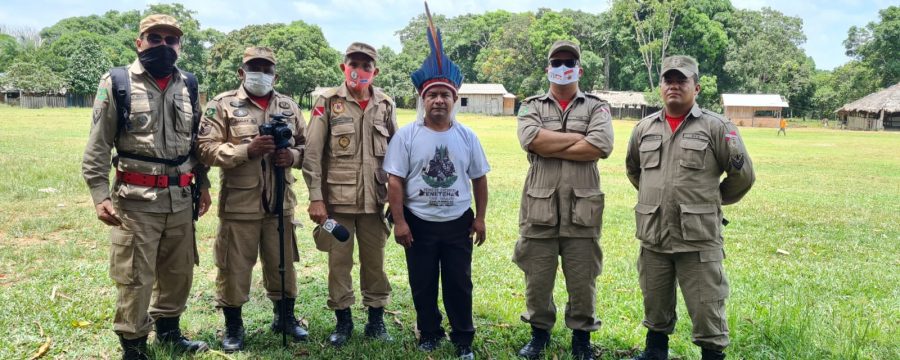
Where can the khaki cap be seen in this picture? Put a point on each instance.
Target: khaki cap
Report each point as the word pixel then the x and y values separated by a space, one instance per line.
pixel 259 52
pixel 682 63
pixel 160 21
pixel 361 48
pixel 565 45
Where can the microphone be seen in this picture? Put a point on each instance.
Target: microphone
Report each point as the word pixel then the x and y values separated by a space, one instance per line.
pixel 336 229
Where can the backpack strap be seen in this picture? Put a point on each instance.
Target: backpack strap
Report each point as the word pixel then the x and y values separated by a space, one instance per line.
pixel 121 89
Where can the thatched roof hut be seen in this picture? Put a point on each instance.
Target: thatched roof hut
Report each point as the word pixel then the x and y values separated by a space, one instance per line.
pixel 876 111
pixel 626 104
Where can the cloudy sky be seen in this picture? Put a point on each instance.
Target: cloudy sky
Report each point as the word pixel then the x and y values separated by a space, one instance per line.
pixel 344 21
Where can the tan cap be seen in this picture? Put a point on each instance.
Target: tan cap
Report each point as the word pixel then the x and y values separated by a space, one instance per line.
pixel 259 52
pixel 362 48
pixel 683 63
pixel 565 45
pixel 160 21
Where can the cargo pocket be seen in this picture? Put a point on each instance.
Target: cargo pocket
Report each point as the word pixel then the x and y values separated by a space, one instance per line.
pixel 541 207
pixel 341 187
pixel 242 194
pixel 700 222
pixel 381 179
pixel 650 149
pixel 121 256
pixel 380 139
pixel 323 239
pixel 220 248
pixel 717 283
pixel 184 120
pixel 343 139
pixel 693 154
pixel 588 207
pixel 647 223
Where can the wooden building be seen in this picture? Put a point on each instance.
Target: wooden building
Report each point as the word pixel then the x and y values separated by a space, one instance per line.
pixel 876 111
pixel 626 104
pixel 757 110
pixel 490 99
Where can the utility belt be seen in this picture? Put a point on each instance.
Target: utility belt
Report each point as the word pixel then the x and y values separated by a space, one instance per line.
pixel 157 181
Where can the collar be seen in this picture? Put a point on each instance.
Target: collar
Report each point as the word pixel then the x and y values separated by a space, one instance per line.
pixel 578 95
pixel 695 112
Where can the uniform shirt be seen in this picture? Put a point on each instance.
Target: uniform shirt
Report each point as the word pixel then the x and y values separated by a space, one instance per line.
pixel 345 150
pixel 229 123
pixel 159 126
pixel 562 198
pixel 438 167
pixel 677 177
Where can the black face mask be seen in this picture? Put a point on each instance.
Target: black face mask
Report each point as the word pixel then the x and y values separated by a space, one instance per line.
pixel 159 61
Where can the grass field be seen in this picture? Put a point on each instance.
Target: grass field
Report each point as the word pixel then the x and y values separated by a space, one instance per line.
pixel 828 199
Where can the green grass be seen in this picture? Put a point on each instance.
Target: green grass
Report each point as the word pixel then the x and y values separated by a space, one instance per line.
pixel 830 198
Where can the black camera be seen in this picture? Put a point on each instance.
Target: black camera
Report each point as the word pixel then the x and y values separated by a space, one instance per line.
pixel 279 130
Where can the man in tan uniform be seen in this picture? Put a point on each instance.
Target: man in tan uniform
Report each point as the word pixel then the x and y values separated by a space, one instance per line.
pixel 564 133
pixel 346 141
pixel 148 113
pixel 675 160
pixel 229 138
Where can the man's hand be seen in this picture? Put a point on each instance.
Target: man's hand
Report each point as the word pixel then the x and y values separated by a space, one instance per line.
pixel 284 158
pixel 107 214
pixel 479 230
pixel 402 235
pixel 205 201
pixel 260 146
pixel 317 212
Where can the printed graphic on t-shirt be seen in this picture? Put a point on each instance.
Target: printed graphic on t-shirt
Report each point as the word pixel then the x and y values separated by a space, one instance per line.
pixel 439 175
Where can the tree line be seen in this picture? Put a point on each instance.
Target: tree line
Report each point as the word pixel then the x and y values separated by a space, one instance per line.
pixel 739 51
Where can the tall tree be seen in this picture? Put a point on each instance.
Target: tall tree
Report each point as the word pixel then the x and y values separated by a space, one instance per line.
pixel 653 22
pixel 85 60
pixel 878 45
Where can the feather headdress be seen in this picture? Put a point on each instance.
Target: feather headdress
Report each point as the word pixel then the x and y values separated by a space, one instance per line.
pixel 437 67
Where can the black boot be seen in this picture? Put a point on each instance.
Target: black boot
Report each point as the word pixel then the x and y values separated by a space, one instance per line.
pixel 233 340
pixel 343 329
pixel 375 328
pixel 430 342
pixel 534 349
pixel 581 345
pixel 135 349
pixel 707 354
pixel 287 322
pixel 464 352
pixel 657 347
pixel 168 333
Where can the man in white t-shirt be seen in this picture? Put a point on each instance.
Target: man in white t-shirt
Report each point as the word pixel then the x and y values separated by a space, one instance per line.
pixel 435 164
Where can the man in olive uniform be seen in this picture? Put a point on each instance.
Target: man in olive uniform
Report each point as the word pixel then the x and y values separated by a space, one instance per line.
pixel 148 113
pixel 675 160
pixel 564 133
pixel 347 138
pixel 229 138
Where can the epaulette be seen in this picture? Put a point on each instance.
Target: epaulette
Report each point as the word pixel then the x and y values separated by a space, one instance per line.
pixel 716 115
pixel 378 90
pixel 530 98
pixel 224 94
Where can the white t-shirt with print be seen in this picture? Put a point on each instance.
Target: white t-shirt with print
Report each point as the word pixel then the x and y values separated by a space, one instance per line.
pixel 438 168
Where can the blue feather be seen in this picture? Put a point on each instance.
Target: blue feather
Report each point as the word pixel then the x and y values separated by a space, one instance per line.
pixel 437 65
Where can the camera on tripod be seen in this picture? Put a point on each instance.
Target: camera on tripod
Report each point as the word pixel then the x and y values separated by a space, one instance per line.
pixel 279 130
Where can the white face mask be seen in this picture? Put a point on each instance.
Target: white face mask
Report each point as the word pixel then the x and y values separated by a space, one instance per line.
pixel 563 75
pixel 258 83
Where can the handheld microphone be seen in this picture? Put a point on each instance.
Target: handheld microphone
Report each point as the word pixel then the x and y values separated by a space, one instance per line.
pixel 336 229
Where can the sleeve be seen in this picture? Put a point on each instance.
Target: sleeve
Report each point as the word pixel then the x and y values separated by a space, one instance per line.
pixel 529 123
pixel 299 138
pixel 316 138
pixel 478 164
pixel 633 158
pixel 95 164
pixel 396 160
pixel 735 162
pixel 600 130
pixel 212 142
pixel 200 170
pixel 392 120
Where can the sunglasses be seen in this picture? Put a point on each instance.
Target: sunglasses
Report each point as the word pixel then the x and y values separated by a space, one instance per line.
pixel 559 62
pixel 156 39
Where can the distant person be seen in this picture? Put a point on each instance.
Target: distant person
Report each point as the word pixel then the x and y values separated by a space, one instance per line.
pixel 436 167
pixel 675 160
pixel 782 124
pixel 149 114
pixel 824 122
pixel 563 133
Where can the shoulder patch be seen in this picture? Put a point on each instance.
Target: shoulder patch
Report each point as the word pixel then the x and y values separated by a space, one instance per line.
pixel 210 112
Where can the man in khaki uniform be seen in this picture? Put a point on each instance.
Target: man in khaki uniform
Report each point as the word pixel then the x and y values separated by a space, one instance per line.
pixel 153 250
pixel 346 141
pixel 229 138
pixel 675 160
pixel 564 133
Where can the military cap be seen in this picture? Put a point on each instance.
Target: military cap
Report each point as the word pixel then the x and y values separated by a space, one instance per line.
pixel 160 21
pixel 259 52
pixel 682 63
pixel 361 48
pixel 565 45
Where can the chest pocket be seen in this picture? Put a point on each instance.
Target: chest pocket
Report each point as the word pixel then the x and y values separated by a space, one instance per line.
pixel 380 139
pixel 650 151
pixel 693 153
pixel 551 123
pixel 184 116
pixel 243 129
pixel 343 137
pixel 141 120
pixel 578 124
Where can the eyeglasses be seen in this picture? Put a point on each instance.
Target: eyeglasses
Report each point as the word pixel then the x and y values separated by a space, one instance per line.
pixel 559 62
pixel 156 39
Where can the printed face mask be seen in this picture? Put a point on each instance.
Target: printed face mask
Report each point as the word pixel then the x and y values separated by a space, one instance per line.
pixel 258 83
pixel 357 79
pixel 562 75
